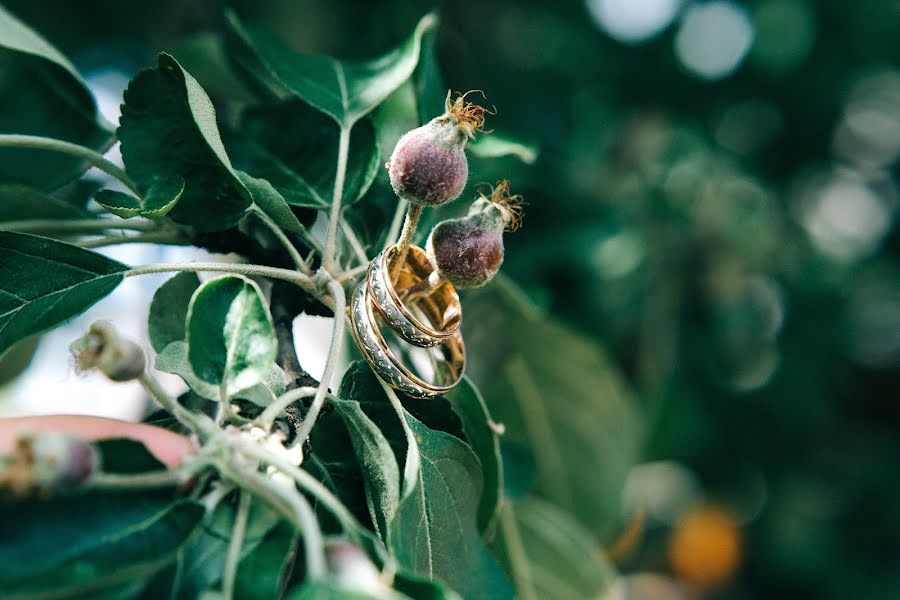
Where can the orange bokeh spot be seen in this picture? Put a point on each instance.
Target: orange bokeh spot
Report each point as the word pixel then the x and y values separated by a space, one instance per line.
pixel 705 547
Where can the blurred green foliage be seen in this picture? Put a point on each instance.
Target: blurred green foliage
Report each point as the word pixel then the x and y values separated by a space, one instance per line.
pixel 732 243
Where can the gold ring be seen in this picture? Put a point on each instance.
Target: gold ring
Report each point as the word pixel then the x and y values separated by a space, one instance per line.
pixel 441 301
pixel 448 359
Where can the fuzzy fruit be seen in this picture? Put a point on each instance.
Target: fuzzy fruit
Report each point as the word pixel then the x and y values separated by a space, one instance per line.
pixel 428 166
pixel 469 251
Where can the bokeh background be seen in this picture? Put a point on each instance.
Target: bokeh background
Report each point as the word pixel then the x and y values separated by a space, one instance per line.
pixel 713 200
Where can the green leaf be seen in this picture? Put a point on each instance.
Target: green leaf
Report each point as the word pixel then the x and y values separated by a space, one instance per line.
pixel 477 426
pixel 268 200
pixel 261 572
pixel 557 395
pixel 434 531
pixel 124 455
pixel 17 359
pixel 174 359
pixel 497 145
pixel 377 461
pixel 344 90
pixel 169 308
pixel 83 544
pixel 231 339
pixel 203 558
pixel 44 282
pixel 168 130
pixel 161 197
pixel 22 203
pixel 548 554
pixel 294 146
pixel 42 94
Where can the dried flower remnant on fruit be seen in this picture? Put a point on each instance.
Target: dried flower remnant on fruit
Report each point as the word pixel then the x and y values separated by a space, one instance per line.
pixel 46 463
pixel 469 251
pixel 428 166
pixel 103 349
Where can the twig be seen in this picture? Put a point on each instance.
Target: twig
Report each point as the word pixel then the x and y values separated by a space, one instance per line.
pixel 330 250
pixel 279 233
pixel 271 412
pixel 406 235
pixel 234 546
pixel 77 225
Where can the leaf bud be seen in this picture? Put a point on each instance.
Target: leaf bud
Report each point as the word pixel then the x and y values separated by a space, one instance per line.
pixel 103 349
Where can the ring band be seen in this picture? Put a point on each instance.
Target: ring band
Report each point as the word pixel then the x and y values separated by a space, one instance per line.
pixel 442 301
pixel 386 364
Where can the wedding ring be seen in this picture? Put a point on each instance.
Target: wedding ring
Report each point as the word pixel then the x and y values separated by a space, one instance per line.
pixel 448 358
pixel 441 301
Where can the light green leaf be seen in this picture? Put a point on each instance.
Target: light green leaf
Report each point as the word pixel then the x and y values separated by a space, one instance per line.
pixel 231 339
pixel 44 282
pixel 168 130
pixel 42 94
pixel 294 147
pixel 21 203
pixel 344 90
pixel 159 200
pixel 261 571
pixel 174 359
pixel 548 554
pixel 168 310
pixel 481 433
pixel 377 461
pixel 497 145
pixel 557 395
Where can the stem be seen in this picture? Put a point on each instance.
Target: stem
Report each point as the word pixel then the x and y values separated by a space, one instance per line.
pixel 294 277
pixel 77 225
pixel 394 229
pixel 94 158
pixel 293 506
pixel 334 351
pixel 271 412
pixel 279 233
pixel 330 250
pixel 307 482
pixel 152 237
pixel 198 423
pixel 406 236
pixel 355 244
pixel 235 545
pixel 117 481
pixel 352 273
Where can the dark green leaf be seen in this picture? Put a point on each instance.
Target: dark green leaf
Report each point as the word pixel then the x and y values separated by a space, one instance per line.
pixel 295 147
pixel 231 339
pixel 42 94
pixel 84 544
pixel 21 203
pixel 168 130
pixel 482 436
pixel 123 455
pixel 377 461
pixel 160 198
pixel 556 394
pixel 261 573
pixel 434 531
pixel 203 558
pixel 169 309
pixel 268 200
pixel 548 554
pixel 18 358
pixel 44 282
pixel 344 90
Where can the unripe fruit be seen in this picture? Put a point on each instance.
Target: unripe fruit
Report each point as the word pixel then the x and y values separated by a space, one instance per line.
pixel 469 251
pixel 428 166
pixel 102 348
pixel 47 463
pixel 351 569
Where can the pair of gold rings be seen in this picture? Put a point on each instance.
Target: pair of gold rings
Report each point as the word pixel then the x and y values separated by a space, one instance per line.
pixel 424 314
